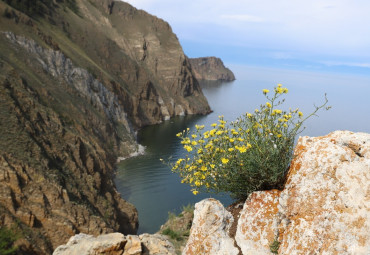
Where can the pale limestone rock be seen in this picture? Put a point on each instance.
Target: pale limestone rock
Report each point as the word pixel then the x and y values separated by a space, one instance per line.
pixel 133 245
pixel 117 244
pixel 82 244
pixel 156 245
pixel 326 201
pixel 323 209
pixel 209 232
pixel 257 222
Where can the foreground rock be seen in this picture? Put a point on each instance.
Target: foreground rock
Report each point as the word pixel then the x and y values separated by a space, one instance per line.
pixel 209 232
pixel 116 244
pixel 323 209
pixel 211 69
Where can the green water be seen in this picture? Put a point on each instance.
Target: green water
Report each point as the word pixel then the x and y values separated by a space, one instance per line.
pixel 155 190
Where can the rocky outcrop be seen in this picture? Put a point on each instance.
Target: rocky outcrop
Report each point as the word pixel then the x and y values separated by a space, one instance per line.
pixel 116 244
pixel 323 209
pixel 211 69
pixel 77 80
pixel 209 232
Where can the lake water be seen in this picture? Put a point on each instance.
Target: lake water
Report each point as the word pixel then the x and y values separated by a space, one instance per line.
pixel 155 190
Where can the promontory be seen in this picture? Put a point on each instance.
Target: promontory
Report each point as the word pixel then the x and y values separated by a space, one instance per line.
pixel 211 69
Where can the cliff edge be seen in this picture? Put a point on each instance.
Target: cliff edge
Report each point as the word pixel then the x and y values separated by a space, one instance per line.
pixel 77 79
pixel 211 69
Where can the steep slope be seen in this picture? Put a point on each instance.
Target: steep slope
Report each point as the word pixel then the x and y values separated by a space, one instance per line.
pixel 211 69
pixel 77 79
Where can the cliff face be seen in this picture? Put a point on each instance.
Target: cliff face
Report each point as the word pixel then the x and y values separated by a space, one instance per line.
pixel 75 85
pixel 323 209
pixel 211 69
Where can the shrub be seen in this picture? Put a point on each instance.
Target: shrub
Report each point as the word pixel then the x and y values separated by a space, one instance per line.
pixel 252 153
pixel 172 234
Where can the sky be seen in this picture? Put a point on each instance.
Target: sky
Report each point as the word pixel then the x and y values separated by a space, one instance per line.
pixel 319 35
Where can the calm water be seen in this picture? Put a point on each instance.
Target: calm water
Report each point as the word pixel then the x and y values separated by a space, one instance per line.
pixel 155 190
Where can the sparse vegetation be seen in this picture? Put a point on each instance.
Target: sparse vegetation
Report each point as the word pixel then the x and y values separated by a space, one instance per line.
pixel 175 235
pixel 178 227
pixel 40 8
pixel 274 246
pixel 7 239
pixel 188 208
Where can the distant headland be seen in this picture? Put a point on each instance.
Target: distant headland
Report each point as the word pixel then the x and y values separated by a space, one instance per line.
pixel 211 69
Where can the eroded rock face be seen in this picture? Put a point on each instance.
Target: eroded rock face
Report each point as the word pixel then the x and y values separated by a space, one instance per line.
pixel 257 222
pixel 209 232
pixel 324 207
pixel 211 69
pixel 325 204
pixel 75 85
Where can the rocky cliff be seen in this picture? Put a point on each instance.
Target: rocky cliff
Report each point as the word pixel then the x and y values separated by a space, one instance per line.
pixel 211 69
pixel 77 80
pixel 323 209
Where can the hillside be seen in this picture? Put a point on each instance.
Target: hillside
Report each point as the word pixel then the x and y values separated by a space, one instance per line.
pixel 77 80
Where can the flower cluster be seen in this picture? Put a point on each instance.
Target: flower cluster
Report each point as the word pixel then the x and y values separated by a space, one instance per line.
pixel 249 154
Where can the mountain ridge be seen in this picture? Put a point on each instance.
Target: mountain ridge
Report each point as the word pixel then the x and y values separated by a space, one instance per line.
pixel 76 85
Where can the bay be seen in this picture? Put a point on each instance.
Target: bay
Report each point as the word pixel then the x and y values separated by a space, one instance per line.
pixel 155 190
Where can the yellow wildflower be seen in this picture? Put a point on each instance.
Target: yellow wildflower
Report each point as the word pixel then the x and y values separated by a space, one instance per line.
pixel 219 132
pixel 214 125
pixel 242 149
pixel 195 191
pixel 300 114
pixel 279 90
pixel 268 105
pixel 265 91
pixel 188 148
pixel 224 160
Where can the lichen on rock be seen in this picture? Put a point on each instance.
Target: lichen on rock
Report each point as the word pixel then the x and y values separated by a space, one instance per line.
pixel 323 208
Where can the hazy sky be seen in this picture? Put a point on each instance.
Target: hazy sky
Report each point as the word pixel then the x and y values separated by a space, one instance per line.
pixel 310 34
